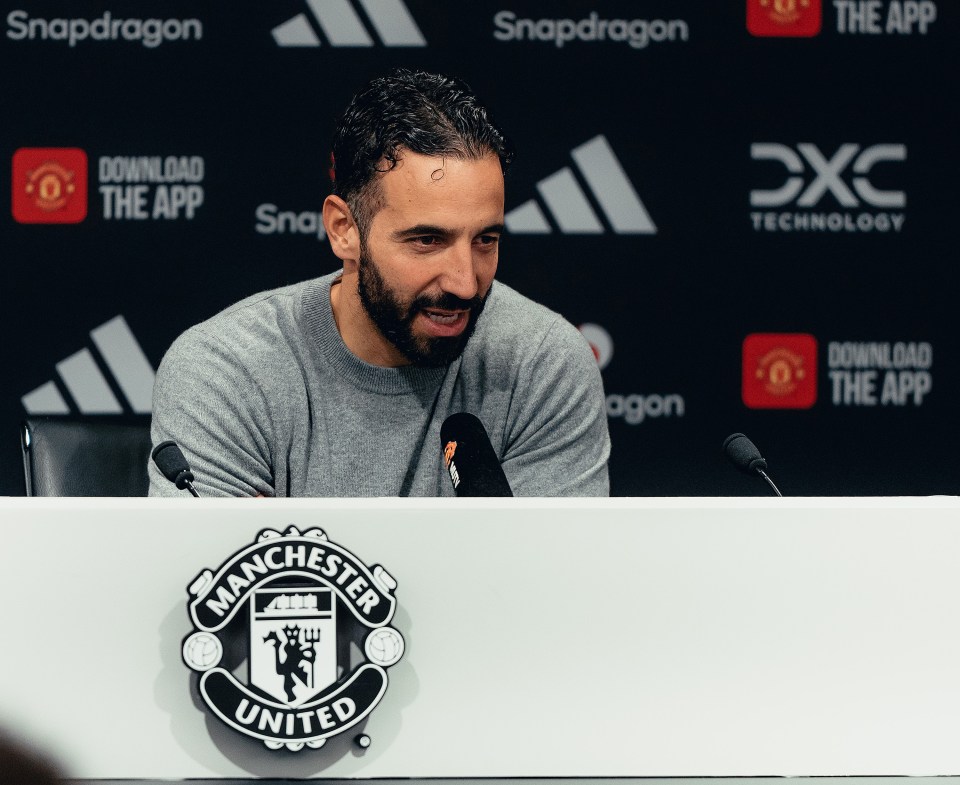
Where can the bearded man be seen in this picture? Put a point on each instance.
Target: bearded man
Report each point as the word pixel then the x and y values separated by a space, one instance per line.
pixel 338 386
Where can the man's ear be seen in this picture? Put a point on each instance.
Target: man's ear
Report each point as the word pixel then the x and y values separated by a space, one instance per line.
pixel 342 231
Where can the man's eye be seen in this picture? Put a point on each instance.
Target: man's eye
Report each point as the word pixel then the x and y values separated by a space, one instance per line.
pixel 488 239
pixel 427 239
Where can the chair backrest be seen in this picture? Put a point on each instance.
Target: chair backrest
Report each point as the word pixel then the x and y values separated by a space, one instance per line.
pixel 69 457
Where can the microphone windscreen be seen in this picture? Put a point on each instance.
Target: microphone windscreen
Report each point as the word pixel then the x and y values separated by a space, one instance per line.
pixel 171 462
pixel 744 453
pixel 470 458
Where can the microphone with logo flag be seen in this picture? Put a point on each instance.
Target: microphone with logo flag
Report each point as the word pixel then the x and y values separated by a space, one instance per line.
pixel 470 458
pixel 173 465
pixel 746 457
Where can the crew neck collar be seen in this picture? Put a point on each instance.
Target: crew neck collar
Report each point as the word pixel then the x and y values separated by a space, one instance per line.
pixel 317 314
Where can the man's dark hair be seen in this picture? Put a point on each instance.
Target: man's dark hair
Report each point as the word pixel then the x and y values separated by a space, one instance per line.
pixel 418 111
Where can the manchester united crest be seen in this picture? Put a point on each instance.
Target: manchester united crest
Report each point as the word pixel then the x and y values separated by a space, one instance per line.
pixel 315 623
pixel 49 185
pixel 779 370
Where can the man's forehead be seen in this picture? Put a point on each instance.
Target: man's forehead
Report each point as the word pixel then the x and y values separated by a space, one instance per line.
pixel 433 169
pixel 454 193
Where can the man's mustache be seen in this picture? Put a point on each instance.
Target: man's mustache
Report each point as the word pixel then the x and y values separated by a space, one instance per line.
pixel 446 302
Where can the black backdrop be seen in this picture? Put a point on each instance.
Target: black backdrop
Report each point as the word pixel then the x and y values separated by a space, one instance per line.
pixel 864 112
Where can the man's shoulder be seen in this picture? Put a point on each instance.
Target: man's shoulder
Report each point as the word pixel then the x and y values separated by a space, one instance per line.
pixel 515 323
pixel 259 332
pixel 258 319
pixel 257 309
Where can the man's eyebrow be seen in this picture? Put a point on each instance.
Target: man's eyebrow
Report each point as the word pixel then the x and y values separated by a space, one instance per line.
pixel 439 231
pixel 423 229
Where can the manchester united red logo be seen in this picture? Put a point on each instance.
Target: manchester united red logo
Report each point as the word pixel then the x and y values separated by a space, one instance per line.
pixel 779 371
pixel 49 185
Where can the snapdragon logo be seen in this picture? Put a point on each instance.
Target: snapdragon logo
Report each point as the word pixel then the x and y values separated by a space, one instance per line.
pixel 148 32
pixel 632 408
pixel 272 220
pixel 637 33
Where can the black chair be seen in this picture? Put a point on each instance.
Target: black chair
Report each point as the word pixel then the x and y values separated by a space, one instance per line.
pixel 70 457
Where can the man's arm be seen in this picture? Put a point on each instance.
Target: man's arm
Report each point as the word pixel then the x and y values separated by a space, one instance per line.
pixel 206 401
pixel 561 445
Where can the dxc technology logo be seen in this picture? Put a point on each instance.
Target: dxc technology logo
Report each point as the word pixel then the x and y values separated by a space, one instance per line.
pixel 828 179
pixel 342 25
pixel 569 205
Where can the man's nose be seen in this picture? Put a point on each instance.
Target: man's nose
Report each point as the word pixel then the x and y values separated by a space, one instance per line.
pixel 459 277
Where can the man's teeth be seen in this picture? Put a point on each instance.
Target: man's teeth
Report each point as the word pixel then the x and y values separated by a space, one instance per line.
pixel 442 318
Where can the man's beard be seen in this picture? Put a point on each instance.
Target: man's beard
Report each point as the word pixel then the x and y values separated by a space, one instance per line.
pixel 395 320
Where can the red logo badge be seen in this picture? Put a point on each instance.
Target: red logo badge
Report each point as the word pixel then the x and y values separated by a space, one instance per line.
pixel 779 371
pixel 600 342
pixel 49 185
pixel 792 18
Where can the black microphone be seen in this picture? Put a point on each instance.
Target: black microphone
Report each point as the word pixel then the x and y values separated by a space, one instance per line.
pixel 470 459
pixel 747 458
pixel 169 459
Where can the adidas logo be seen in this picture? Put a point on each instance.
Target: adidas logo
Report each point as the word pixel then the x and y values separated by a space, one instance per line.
pixel 570 206
pixel 342 25
pixel 85 382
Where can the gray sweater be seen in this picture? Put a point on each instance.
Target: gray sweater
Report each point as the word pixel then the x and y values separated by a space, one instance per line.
pixel 265 398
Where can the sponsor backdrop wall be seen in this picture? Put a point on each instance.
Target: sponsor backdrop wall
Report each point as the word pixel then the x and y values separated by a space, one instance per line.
pixel 748 207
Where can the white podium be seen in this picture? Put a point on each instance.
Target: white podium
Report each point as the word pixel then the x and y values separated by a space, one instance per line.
pixel 614 638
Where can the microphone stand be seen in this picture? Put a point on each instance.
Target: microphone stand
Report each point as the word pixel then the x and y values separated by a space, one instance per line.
pixel 765 476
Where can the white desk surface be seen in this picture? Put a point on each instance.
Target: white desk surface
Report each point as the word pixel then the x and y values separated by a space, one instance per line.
pixel 563 638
